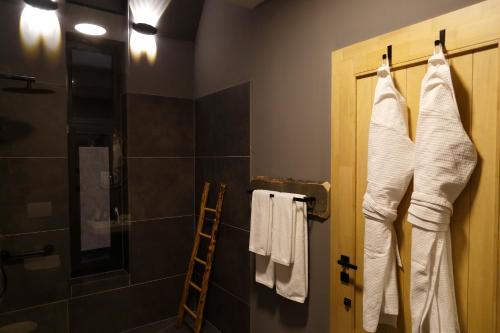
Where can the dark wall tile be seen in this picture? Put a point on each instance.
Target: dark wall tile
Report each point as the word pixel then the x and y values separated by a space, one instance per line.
pixel 31 124
pixel 101 282
pixel 232 262
pixel 125 308
pixel 49 318
pixel 156 300
pixel 235 173
pixel 160 248
pixel 38 280
pixel 159 126
pixel 107 312
pixel 226 312
pixel 33 194
pixel 160 187
pixel 223 123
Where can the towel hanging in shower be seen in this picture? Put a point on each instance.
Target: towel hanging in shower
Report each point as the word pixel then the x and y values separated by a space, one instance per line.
pixel 390 169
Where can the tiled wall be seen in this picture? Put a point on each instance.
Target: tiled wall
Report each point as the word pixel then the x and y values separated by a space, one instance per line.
pixel 34 207
pixel 34 212
pixel 223 155
pixel 160 150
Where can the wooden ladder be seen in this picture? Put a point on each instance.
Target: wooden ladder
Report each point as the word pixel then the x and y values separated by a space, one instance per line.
pixel 197 313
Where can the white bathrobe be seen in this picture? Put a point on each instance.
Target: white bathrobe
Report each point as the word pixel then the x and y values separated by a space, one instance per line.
pixel 444 161
pixel 390 169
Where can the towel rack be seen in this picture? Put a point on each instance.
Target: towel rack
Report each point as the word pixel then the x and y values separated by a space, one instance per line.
pixel 317 194
pixel 305 199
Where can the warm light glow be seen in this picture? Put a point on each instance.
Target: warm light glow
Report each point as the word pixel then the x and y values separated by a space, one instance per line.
pixel 145 11
pixel 148 11
pixel 142 44
pixel 40 27
pixel 90 29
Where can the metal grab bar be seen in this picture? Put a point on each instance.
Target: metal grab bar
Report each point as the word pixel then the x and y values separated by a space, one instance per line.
pixel 46 251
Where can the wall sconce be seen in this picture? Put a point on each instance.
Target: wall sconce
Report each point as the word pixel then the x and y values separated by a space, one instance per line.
pixel 43 4
pixel 144 28
pixel 39 25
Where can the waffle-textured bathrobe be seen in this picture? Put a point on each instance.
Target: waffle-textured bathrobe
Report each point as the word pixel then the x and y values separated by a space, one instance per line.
pixel 444 160
pixel 390 169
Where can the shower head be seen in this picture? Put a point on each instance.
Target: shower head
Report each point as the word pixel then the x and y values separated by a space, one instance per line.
pixel 24 90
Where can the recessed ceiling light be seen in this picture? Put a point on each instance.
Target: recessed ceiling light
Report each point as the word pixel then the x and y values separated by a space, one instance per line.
pixel 42 4
pixel 90 29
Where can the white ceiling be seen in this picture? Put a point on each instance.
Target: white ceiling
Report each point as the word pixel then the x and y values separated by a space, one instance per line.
pixel 248 3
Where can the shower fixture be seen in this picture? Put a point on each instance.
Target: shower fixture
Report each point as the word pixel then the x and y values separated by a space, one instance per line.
pixel 144 28
pixel 24 90
pixel 43 4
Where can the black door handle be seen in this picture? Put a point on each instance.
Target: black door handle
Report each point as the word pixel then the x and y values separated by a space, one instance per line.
pixel 344 262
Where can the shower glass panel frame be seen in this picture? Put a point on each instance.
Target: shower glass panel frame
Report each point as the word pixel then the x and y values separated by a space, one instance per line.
pixel 96 146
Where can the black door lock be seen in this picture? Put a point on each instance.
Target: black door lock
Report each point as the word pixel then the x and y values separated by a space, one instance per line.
pixel 344 262
pixel 347 302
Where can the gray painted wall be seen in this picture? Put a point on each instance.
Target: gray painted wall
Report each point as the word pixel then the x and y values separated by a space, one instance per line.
pixel 284 48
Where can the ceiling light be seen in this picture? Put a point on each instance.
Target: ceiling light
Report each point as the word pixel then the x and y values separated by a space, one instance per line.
pixel 42 4
pixel 144 28
pixel 90 29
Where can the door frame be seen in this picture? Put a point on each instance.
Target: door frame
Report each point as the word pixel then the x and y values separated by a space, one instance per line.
pixel 469 28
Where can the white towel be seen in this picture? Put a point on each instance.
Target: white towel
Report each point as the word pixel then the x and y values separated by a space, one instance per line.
pixel 283 230
pixel 390 169
pixel 261 222
pixel 292 281
pixel 264 270
pixel 445 161
pixel 261 236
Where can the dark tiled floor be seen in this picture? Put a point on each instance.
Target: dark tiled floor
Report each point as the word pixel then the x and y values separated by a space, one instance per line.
pixel 160 248
pixel 160 126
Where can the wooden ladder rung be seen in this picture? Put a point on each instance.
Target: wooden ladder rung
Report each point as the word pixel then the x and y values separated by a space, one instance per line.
pixel 205 235
pixel 200 261
pixel 210 210
pixel 195 286
pixel 191 312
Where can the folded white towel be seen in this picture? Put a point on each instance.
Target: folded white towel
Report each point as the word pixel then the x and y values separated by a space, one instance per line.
pixel 390 169
pixel 261 222
pixel 264 270
pixel 283 229
pixel 446 159
pixel 292 281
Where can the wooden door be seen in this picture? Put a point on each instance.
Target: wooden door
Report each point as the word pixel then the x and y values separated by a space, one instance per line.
pixel 472 41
